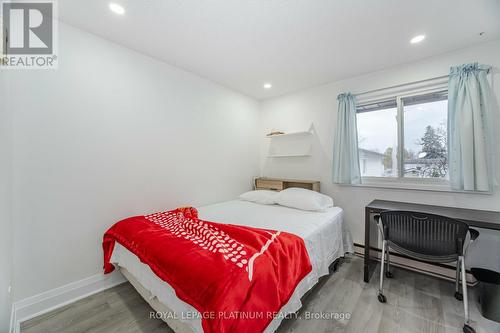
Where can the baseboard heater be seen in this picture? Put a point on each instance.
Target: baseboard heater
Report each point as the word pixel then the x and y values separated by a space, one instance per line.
pixel 442 271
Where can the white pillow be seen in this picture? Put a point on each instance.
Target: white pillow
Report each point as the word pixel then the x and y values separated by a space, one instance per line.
pixel 301 198
pixel 264 197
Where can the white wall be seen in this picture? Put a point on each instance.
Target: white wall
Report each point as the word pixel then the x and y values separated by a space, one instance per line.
pixel 111 134
pixel 5 204
pixel 318 106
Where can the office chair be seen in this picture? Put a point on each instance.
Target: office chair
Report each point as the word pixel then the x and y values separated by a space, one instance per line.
pixel 428 237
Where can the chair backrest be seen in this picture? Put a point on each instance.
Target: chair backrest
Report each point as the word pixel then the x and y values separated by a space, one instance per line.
pixel 426 236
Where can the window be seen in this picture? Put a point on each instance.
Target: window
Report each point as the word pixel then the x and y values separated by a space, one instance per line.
pixel 378 139
pixel 425 153
pixel 404 137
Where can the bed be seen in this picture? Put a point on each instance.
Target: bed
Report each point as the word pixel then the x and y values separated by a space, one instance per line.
pixel 324 233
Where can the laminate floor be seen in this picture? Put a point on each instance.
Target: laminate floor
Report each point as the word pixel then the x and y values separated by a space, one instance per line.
pixel 416 303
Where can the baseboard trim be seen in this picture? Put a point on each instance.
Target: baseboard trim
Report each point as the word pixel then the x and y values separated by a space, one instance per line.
pixel 47 301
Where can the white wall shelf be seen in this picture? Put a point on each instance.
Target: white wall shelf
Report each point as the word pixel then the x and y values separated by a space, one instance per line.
pixel 289 155
pixel 305 133
pixel 293 144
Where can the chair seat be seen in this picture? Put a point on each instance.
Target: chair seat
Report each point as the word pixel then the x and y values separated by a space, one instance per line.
pixel 425 257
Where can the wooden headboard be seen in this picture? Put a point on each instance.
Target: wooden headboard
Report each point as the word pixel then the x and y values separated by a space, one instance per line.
pixel 277 184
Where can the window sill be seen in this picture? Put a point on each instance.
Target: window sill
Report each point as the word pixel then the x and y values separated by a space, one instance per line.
pixel 407 184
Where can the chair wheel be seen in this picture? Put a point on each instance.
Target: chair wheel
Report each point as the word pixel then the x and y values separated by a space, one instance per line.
pixel 459 296
pixel 382 298
pixel 389 275
pixel 468 329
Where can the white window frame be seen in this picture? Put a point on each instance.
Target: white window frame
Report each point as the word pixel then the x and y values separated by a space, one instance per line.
pixel 401 182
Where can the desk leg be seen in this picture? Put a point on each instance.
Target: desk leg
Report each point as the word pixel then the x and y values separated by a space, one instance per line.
pixel 369 263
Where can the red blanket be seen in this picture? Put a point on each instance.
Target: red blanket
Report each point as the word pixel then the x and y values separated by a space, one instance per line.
pixel 237 277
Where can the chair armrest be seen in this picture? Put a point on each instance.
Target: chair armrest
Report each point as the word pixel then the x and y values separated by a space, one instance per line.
pixel 473 234
pixel 378 219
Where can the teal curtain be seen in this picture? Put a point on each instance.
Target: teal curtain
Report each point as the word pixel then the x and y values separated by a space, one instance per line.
pixel 470 136
pixel 345 151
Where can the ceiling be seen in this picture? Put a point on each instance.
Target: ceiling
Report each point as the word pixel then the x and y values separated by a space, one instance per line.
pixel 294 44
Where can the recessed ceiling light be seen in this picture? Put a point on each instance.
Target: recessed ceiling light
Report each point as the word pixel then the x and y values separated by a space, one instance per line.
pixel 116 8
pixel 267 85
pixel 417 39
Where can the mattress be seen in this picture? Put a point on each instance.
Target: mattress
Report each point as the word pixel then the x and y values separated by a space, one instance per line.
pixel 325 236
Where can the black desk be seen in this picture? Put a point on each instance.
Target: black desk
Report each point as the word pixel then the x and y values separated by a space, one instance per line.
pixel 475 218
